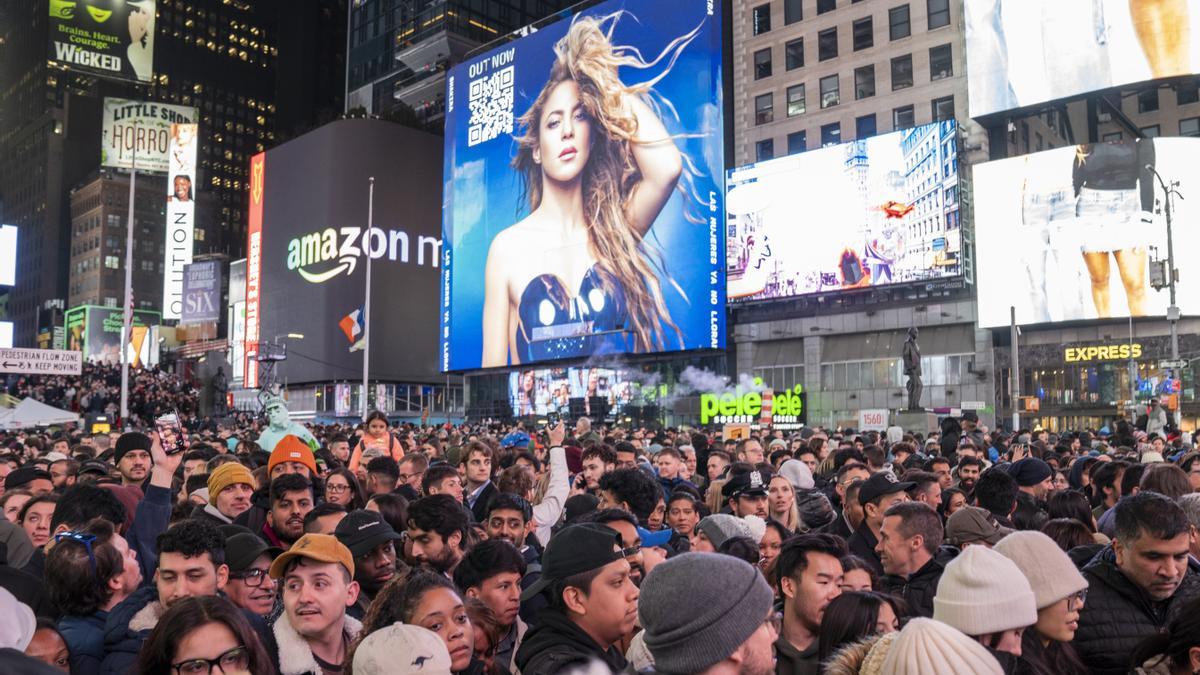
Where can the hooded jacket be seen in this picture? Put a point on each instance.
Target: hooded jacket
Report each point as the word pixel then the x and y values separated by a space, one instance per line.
pixel 84 636
pixel 918 589
pixel 1118 615
pixel 127 627
pixel 556 644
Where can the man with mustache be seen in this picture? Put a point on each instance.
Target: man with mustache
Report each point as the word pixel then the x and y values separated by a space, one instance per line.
pixel 291 500
pixel 372 543
pixel 250 585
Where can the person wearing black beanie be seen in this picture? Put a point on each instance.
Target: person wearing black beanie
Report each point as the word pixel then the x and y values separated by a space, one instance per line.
pixel 132 457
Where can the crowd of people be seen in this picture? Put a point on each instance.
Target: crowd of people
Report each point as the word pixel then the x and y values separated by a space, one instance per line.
pixel 97 391
pixel 384 548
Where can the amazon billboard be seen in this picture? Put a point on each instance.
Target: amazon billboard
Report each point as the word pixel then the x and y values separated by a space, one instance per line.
pixel 873 212
pixel 309 241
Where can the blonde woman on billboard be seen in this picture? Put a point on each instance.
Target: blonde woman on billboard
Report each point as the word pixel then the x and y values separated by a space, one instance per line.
pixel 1114 190
pixel 576 276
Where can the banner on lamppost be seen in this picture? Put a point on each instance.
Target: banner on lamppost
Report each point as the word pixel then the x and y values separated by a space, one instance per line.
pixel 181 215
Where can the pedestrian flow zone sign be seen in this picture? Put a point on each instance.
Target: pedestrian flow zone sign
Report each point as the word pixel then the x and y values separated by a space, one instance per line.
pixel 41 361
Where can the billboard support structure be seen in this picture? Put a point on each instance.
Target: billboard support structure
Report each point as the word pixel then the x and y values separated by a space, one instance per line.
pixel 367 295
pixel 127 324
pixel 1014 374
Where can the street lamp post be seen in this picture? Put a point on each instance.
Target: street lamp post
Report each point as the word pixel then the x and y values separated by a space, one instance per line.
pixel 1170 190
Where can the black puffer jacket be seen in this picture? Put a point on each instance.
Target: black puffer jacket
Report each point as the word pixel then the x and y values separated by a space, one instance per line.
pixel 1118 615
pixel 919 589
pixel 557 644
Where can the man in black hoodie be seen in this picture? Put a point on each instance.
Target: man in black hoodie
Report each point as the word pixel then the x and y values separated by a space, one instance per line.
pixel 593 603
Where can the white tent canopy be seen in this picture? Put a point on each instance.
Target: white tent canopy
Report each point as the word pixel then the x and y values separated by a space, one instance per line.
pixel 31 413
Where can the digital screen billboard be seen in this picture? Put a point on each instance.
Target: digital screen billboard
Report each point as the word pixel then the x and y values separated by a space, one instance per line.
pixel 8 255
pixel 1022 52
pixel 307 245
pixel 139 133
pixel 201 292
pixel 542 391
pixel 584 197
pixel 96 331
pixel 1068 234
pixel 110 38
pixel 873 212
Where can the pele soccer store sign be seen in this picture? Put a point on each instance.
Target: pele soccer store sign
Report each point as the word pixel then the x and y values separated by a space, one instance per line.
pixel 138 133
pixel 181 215
pixel 110 38
pixel 786 409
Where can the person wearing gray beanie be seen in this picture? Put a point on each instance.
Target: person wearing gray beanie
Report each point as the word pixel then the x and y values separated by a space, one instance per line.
pixel 714 530
pixel 700 611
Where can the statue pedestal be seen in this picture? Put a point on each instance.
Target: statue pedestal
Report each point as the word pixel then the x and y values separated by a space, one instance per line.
pixel 916 421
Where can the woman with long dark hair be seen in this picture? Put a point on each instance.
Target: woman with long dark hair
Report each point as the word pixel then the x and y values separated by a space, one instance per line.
pixel 853 616
pixel 198 633
pixel 342 487
pixel 598 167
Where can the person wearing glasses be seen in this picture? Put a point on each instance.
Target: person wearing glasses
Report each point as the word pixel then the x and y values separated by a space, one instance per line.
pixel 203 636
pixel 88 572
pixel 250 587
pixel 1060 591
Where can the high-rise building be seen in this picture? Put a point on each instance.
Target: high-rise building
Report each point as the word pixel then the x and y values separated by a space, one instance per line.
pixel 400 50
pixel 219 56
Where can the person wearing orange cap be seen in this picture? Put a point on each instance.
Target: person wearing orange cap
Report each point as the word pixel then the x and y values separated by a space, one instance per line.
pixel 313 633
pixel 292 455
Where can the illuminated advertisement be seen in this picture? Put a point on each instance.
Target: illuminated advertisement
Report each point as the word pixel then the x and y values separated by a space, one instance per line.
pixel 181 215
pixel 201 292
pixel 1070 234
pixel 1022 53
pixel 543 391
pixel 139 133
pixel 873 212
pixel 96 331
pixel 308 244
pixel 110 38
pixel 8 255
pixel 584 194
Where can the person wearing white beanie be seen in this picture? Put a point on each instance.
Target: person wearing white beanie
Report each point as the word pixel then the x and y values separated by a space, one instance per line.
pixel 985 595
pixel 1059 591
pixel 927 646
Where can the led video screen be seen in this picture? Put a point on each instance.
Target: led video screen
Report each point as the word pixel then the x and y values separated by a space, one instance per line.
pixel 872 212
pixel 1069 234
pixel 1025 52
pixel 543 391
pixel 583 192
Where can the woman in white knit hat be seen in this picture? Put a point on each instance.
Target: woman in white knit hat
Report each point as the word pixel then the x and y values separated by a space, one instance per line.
pixel 986 596
pixel 1060 591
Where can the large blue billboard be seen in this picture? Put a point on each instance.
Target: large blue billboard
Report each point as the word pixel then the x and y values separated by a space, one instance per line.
pixel 584 199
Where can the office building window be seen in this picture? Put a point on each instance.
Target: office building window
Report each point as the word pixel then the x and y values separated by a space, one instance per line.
pixel 864 34
pixel 1114 137
pixel 762 64
pixel 1148 101
pixel 795 100
pixel 939 13
pixel 830 91
pixel 941 62
pixel 1151 131
pixel 1189 126
pixel 864 82
pixel 831 134
pixel 902 72
pixel 764 109
pixel 764 150
pixel 761 19
pixel 826 6
pixel 827 47
pixel 903 118
pixel 792 11
pixel 898 24
pixel 1187 92
pixel 864 127
pixel 793 54
pixel 797 142
pixel 943 108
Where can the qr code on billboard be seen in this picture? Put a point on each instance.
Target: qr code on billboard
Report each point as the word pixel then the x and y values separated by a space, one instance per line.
pixel 490 101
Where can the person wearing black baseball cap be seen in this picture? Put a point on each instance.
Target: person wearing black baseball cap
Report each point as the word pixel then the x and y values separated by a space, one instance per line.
pixel 372 543
pixel 32 478
pixel 250 585
pixel 746 493
pixel 876 496
pixel 593 603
